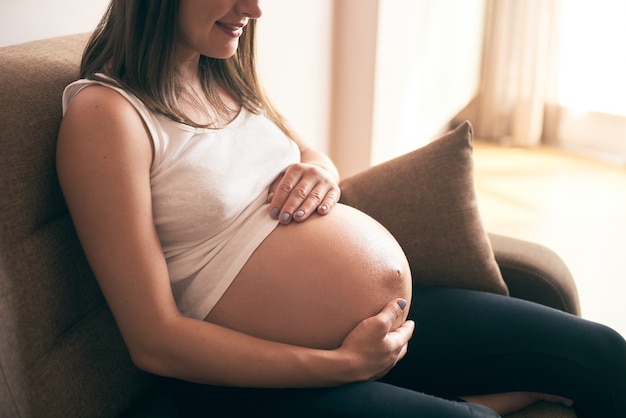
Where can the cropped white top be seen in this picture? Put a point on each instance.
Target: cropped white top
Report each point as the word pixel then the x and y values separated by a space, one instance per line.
pixel 209 192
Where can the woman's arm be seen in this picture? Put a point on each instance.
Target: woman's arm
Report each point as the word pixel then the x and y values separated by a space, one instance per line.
pixel 104 155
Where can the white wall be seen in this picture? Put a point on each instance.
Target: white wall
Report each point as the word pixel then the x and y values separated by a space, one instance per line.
pixel 294 48
pixel 29 20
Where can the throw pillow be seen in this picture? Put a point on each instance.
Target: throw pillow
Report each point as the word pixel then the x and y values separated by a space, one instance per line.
pixel 426 199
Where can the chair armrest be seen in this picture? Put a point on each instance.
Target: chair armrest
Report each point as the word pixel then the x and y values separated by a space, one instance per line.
pixel 536 273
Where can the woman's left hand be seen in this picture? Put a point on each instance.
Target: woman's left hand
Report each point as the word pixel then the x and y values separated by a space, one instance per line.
pixel 301 190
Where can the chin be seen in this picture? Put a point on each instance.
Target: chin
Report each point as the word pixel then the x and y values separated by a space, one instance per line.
pixel 222 53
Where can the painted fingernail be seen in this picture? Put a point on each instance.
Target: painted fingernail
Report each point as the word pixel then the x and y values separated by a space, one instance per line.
pixel 401 303
pixel 300 213
pixel 324 208
pixel 285 217
pixel 275 213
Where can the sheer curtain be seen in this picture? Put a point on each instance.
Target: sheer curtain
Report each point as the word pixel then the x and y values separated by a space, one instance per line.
pixel 517 99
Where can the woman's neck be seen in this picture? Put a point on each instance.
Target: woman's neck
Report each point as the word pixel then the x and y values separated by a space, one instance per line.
pixel 205 109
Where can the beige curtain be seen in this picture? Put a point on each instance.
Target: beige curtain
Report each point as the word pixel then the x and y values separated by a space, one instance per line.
pixel 517 95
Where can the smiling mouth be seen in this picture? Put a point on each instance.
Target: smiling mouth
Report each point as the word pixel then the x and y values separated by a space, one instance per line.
pixel 232 30
pixel 231 27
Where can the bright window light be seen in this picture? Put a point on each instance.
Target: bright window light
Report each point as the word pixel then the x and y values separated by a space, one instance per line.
pixel 592 59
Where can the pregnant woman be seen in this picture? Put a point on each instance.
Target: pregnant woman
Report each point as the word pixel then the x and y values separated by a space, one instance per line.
pixel 218 241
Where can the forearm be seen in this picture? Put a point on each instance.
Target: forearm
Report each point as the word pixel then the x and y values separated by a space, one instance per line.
pixel 205 353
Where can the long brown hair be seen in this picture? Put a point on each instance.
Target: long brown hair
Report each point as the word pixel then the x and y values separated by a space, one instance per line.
pixel 135 44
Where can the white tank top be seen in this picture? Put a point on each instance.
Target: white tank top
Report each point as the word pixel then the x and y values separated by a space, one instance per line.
pixel 209 191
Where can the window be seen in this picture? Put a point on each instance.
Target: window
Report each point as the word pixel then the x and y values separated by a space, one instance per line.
pixel 592 78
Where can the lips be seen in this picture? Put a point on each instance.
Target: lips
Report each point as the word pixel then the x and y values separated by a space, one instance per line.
pixel 232 26
pixel 233 29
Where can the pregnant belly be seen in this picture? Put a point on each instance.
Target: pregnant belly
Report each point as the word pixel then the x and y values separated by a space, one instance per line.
pixel 309 284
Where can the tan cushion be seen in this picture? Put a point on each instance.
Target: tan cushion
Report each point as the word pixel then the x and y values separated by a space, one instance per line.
pixel 443 235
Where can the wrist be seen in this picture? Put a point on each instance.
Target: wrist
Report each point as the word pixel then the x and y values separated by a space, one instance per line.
pixel 329 368
pixel 343 367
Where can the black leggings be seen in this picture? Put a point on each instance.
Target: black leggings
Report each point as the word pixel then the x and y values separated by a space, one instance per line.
pixel 465 343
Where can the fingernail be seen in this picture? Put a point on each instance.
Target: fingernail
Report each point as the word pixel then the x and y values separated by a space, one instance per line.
pixel 568 404
pixel 324 208
pixel 269 197
pixel 275 213
pixel 285 217
pixel 401 303
pixel 300 213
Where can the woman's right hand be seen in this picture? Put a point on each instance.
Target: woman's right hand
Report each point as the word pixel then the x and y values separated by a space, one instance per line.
pixel 377 343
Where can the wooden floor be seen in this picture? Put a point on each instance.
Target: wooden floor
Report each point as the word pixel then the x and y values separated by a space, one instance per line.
pixel 574 205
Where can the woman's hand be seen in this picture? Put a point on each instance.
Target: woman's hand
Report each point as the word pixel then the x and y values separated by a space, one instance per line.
pixel 301 190
pixel 377 343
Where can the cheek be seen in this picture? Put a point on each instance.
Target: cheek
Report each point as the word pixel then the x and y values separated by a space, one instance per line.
pixel 194 23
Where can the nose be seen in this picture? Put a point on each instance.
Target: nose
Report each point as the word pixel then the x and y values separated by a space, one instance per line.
pixel 249 8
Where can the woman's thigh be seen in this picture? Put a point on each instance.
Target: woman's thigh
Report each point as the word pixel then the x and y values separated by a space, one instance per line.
pixel 468 342
pixel 358 400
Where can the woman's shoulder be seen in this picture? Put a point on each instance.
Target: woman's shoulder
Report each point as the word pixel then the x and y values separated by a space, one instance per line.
pixel 97 92
pixel 97 113
pixel 96 103
pixel 97 95
pixel 100 102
